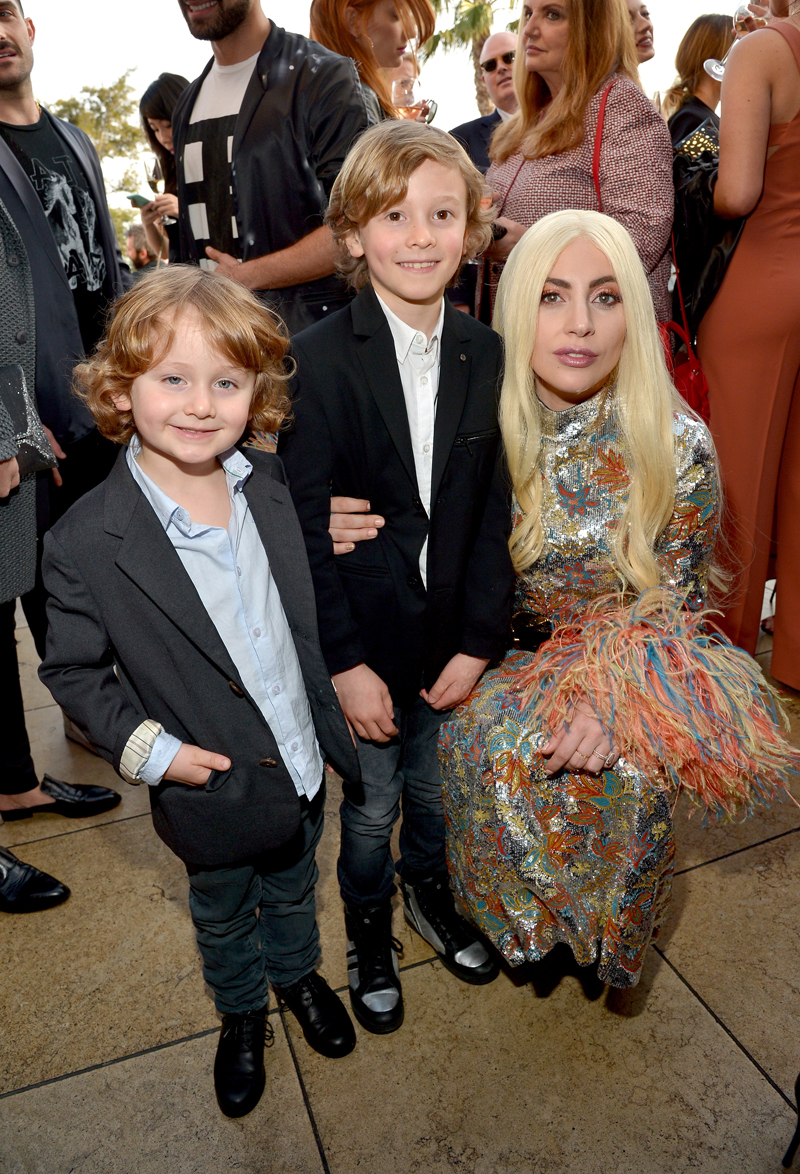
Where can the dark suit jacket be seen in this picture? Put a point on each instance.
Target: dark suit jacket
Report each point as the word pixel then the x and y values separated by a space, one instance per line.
pixel 351 436
pixel 120 597
pixel 474 137
pixel 58 337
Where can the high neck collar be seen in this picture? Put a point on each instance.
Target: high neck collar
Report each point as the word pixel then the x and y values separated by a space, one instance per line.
pixel 572 422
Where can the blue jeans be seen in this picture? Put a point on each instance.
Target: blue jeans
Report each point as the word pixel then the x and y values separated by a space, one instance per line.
pixel 257 921
pixel 406 770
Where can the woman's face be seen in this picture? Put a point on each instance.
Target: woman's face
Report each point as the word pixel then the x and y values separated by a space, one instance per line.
pixel 545 35
pixel 581 327
pixel 163 132
pixel 642 30
pixel 386 30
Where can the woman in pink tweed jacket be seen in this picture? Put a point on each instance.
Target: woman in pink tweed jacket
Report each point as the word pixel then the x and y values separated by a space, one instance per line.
pixel 570 52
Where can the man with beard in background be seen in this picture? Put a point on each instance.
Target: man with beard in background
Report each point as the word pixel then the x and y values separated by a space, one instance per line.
pixel 259 138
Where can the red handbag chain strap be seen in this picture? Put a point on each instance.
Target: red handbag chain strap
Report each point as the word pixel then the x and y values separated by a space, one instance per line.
pixel 598 139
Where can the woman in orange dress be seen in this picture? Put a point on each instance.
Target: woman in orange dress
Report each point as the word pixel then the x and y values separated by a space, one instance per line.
pixel 749 341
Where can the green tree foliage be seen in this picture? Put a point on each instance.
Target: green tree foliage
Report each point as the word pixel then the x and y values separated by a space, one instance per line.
pixel 472 24
pixel 110 117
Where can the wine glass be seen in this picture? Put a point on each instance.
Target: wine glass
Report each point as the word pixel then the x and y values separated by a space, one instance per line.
pixel 409 103
pixel 155 181
pixel 711 65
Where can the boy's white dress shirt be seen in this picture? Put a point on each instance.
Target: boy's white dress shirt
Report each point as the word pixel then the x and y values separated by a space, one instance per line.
pixel 419 361
pixel 230 571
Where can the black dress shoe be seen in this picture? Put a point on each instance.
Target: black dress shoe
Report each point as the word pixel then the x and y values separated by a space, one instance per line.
pixel 373 974
pixel 239 1075
pixel 431 911
pixel 74 801
pixel 321 1014
pixel 23 889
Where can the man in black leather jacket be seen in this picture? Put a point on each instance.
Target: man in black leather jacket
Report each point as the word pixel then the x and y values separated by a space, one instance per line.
pixel 259 138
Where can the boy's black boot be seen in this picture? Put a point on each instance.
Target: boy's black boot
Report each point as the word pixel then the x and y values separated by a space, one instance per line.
pixel 239 1075
pixel 321 1014
pixel 372 971
pixel 429 908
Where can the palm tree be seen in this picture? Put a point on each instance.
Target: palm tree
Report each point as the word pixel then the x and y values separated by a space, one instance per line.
pixel 472 24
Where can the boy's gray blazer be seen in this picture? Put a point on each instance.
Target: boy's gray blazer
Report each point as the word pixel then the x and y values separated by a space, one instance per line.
pixel 129 639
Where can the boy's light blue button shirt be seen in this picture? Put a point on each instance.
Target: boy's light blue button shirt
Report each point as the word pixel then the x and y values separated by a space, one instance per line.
pixel 230 571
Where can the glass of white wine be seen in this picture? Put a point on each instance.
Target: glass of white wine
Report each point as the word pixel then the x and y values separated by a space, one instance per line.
pixel 741 16
pixel 155 181
pixel 409 103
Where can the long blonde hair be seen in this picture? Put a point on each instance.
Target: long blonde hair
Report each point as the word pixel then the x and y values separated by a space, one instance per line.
pixel 600 43
pixel 329 27
pixel 644 394
pixel 708 36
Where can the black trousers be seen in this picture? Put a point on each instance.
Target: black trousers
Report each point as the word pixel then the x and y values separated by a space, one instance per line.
pixel 16 765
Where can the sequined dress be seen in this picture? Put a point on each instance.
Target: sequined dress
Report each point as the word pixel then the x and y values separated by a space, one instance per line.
pixel 575 858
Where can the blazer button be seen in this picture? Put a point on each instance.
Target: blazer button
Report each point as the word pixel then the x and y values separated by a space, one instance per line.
pixel 416 503
pixel 13 259
pixel 268 762
pixel 235 689
pixel 21 336
pixel 414 581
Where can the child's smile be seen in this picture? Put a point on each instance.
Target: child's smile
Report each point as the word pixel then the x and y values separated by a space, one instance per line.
pixel 191 406
pixel 415 246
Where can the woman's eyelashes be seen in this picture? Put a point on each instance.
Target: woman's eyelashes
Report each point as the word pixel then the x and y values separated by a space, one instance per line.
pixel 603 297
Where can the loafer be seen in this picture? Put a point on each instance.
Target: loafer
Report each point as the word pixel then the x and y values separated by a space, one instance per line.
pixel 373 973
pixel 321 1014
pixel 74 801
pixel 430 910
pixel 239 1075
pixel 24 889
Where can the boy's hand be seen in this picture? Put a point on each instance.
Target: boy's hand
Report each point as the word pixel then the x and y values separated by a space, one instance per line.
pixel 351 522
pixel 366 703
pixel 193 766
pixel 455 682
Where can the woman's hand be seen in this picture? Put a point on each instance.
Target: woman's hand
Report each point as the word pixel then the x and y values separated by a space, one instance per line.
pixel 582 745
pixel 499 250
pixel 166 204
pixel 351 522
pixel 58 453
pixel 9 476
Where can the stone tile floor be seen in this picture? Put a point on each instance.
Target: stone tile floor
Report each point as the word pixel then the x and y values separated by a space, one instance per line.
pixel 107 1032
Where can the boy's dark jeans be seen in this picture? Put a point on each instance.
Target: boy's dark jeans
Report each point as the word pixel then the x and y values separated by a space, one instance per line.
pixel 405 769
pixel 242 949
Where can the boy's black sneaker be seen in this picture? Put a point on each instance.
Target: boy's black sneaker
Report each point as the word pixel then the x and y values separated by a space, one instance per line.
pixel 321 1014
pixel 373 975
pixel 430 910
pixel 239 1075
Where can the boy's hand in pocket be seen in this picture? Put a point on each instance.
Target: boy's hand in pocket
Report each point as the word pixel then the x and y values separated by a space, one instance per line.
pixel 193 766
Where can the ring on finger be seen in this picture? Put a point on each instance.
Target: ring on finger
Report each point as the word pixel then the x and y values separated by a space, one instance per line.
pixel 611 758
pixel 583 756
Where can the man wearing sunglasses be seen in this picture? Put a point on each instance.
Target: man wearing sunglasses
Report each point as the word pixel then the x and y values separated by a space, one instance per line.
pixel 497 70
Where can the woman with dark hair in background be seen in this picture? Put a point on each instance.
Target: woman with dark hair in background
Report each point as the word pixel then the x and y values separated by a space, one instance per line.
pixel 572 61
pixel 694 96
pixel 375 34
pixel 155 109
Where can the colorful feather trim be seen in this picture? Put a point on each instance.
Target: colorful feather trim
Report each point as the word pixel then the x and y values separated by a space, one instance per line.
pixel 683 704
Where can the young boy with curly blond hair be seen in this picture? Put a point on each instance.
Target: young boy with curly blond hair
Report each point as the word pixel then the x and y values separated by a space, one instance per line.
pixel 183 641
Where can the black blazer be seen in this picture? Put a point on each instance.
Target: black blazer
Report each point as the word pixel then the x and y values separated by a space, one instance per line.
pixel 58 337
pixel 350 435
pixel 120 598
pixel 475 136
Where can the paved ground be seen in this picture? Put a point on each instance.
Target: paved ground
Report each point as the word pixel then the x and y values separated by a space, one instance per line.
pixel 107 1032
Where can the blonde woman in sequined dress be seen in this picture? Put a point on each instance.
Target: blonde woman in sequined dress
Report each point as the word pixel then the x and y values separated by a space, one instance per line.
pixel 557 772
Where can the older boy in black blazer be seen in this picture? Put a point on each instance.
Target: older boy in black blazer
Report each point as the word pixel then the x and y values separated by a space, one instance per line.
pixel 395 402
